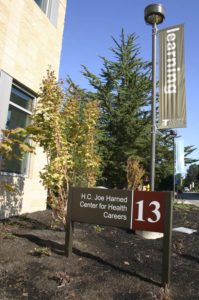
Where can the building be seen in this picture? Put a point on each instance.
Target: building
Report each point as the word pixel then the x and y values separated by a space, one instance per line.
pixel 30 40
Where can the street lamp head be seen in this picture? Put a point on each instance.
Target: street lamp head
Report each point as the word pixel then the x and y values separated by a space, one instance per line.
pixel 173 133
pixel 154 14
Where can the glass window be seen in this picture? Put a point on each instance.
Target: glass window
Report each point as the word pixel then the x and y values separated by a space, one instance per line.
pixel 50 8
pixel 42 4
pixel 19 112
pixel 22 99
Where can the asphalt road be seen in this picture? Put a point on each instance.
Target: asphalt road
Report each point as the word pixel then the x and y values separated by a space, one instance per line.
pixel 189 198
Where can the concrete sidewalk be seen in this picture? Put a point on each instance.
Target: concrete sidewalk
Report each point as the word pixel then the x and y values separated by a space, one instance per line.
pixel 193 202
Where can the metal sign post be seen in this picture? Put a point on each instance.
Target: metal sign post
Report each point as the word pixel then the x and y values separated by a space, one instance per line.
pixel 154 14
pixel 167 240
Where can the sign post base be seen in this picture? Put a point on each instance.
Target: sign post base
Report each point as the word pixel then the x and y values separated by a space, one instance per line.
pixel 150 235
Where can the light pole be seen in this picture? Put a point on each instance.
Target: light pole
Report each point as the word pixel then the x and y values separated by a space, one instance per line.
pixel 154 14
pixel 173 134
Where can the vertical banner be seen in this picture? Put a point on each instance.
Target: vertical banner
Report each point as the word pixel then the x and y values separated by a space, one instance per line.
pixel 179 146
pixel 172 103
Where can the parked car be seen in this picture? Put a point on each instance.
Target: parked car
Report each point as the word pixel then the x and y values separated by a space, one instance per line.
pixel 186 189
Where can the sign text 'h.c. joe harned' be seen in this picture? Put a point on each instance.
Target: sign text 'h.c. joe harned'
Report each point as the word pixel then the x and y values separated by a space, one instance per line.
pixel 102 206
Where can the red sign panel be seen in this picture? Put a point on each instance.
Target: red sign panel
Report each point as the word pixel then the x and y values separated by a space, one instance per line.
pixel 148 209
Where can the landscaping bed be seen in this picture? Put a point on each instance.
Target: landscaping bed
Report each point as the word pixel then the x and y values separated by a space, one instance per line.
pixel 106 263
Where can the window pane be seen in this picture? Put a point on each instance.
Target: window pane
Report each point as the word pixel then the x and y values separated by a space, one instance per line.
pixel 50 8
pixel 17 118
pixel 42 4
pixel 21 98
pixel 53 8
pixel 15 165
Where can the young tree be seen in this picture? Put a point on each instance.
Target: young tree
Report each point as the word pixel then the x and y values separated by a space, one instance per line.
pixel 135 172
pixel 65 126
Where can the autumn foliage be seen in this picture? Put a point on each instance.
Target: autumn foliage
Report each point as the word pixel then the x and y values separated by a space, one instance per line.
pixel 64 124
pixel 135 172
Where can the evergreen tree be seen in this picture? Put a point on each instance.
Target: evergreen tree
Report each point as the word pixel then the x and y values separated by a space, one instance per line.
pixel 164 167
pixel 188 150
pixel 124 90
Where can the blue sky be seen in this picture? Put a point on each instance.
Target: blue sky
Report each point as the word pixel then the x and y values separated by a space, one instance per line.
pixel 90 24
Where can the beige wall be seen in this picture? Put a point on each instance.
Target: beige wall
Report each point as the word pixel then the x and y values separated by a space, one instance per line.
pixel 29 42
pixel 29 194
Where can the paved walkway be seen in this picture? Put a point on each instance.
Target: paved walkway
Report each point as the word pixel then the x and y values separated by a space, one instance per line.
pixel 193 202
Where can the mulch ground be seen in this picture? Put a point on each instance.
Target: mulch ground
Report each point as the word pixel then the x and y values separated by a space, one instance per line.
pixel 106 263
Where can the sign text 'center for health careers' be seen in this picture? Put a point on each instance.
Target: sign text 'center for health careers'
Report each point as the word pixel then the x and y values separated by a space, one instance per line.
pixel 102 206
pixel 119 208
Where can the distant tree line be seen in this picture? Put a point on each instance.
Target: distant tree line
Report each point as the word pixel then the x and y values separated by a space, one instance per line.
pixel 192 177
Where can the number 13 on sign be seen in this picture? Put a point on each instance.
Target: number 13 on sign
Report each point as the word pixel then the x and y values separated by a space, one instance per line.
pixel 148 209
